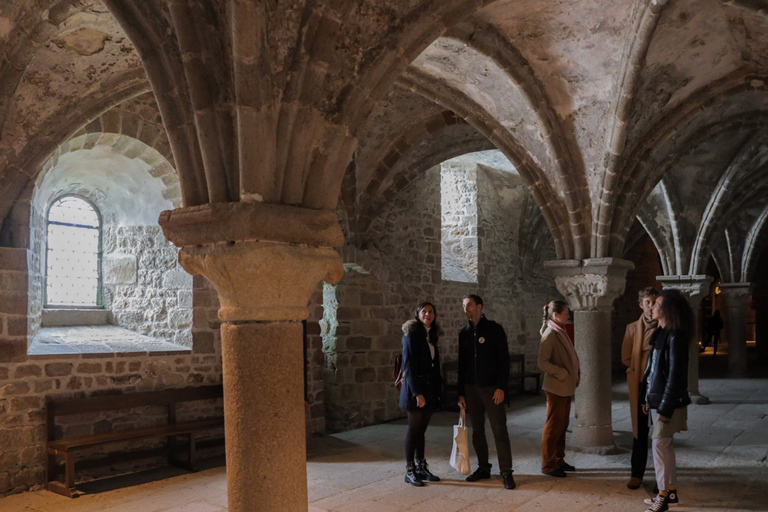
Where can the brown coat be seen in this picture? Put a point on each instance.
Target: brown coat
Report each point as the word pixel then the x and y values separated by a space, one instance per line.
pixel 560 377
pixel 632 358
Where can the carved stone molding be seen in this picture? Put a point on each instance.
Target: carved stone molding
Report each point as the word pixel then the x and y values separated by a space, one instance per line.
pixel 736 291
pixel 263 281
pixel 264 260
pixel 590 284
pixel 695 287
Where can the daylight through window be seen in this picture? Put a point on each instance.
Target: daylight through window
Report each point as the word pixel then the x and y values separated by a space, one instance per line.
pixel 72 264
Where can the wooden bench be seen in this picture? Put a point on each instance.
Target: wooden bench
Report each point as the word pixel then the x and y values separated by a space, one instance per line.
pixel 72 449
pixel 517 376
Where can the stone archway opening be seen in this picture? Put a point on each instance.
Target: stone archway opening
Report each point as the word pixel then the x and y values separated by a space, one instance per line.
pixel 145 297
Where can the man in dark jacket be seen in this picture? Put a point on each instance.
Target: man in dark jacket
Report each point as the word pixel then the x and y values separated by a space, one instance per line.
pixel 482 382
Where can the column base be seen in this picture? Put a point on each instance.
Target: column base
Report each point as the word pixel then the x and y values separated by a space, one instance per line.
pixel 699 399
pixel 595 440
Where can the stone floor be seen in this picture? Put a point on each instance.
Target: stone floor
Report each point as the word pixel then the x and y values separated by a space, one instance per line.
pixel 721 460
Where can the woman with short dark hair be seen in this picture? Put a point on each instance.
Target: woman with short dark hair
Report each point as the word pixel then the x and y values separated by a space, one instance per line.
pixel 666 390
pixel 421 390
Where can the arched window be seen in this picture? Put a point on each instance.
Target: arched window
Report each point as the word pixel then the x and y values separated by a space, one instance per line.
pixel 73 256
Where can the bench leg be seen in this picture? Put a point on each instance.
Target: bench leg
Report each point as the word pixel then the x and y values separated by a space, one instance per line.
pixel 192 451
pixel 68 487
pixel 188 464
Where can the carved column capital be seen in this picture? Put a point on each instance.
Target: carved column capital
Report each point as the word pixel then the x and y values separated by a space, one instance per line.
pixel 695 287
pixel 260 281
pixel 736 291
pixel 264 260
pixel 591 284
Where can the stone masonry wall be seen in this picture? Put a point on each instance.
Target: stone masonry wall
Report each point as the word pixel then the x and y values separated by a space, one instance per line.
pixel 26 382
pixel 145 287
pixel 458 190
pixel 401 268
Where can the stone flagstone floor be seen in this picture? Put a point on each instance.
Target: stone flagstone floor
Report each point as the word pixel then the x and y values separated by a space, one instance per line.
pixel 721 459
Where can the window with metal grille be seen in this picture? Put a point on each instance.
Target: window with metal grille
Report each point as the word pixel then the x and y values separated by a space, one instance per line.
pixel 73 266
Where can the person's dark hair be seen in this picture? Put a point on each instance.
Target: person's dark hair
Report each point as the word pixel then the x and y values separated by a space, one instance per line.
pixel 677 313
pixel 555 306
pixel 647 292
pixel 434 329
pixel 475 298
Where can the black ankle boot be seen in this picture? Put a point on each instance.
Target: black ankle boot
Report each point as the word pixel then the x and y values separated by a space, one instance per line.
pixel 423 472
pixel 410 475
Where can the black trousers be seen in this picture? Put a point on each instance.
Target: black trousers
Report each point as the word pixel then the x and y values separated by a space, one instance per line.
pixel 640 443
pixel 479 401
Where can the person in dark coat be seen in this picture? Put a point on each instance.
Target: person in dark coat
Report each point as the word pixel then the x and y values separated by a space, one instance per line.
pixel 420 394
pixel 482 384
pixel 666 390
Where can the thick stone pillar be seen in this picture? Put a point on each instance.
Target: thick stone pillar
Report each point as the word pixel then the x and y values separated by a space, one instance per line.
pixel 695 289
pixel 254 256
pixel 760 305
pixel 590 287
pixel 736 297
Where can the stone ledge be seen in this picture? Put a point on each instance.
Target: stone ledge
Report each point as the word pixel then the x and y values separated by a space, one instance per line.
pixel 106 340
pixel 68 317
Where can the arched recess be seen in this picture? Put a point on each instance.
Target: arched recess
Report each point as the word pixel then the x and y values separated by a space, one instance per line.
pixel 505 101
pixel 490 127
pixel 144 288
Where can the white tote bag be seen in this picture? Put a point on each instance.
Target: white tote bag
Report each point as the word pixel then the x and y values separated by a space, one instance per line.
pixel 460 450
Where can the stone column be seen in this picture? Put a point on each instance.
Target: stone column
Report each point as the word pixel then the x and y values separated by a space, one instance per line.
pixel 590 287
pixel 736 297
pixel 695 289
pixel 264 261
pixel 760 305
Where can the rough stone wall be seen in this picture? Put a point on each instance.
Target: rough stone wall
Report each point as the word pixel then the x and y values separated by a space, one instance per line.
pixel 26 382
pixel 144 285
pixel 401 268
pixel 145 288
pixel 458 188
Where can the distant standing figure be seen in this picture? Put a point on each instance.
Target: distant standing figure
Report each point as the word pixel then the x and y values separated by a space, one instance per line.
pixel 560 364
pixel 714 325
pixel 422 385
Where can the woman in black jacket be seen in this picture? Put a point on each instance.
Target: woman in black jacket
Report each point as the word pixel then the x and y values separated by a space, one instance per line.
pixel 422 384
pixel 666 389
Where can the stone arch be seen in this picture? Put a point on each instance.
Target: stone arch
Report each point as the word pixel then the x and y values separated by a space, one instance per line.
pixel 238 97
pixel 392 174
pixel 633 60
pixel 670 132
pixel 566 156
pixel 492 129
pixel 22 170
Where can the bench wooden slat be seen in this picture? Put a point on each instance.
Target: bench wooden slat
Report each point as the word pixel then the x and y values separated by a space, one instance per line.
pixel 73 443
pixel 130 400
pixel 170 399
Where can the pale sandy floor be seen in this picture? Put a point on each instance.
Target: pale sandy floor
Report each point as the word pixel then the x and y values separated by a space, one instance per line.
pixel 721 460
